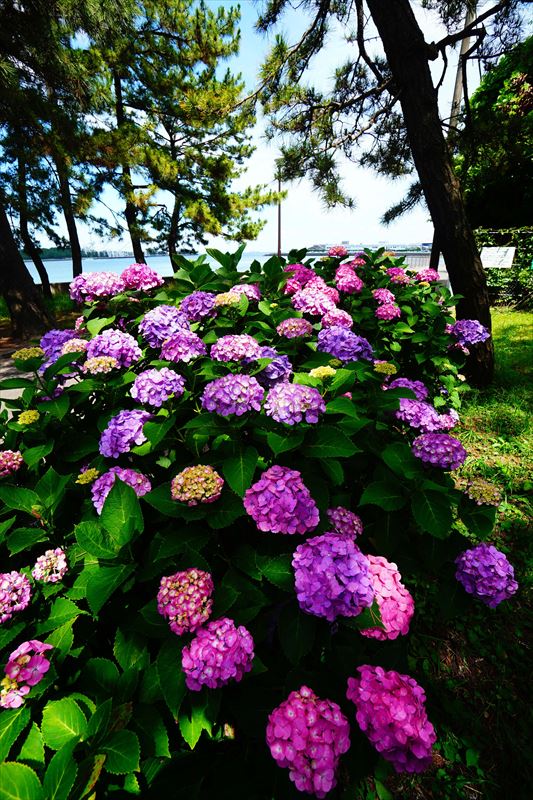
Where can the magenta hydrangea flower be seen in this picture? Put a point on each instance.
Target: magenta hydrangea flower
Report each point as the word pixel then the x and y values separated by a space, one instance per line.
pixel 345 521
pixel 251 290
pixel 123 431
pixel 344 344
pixel 332 577
pixel 161 323
pixel 155 386
pixel 198 305
pixel 15 594
pixel 439 450
pixel 428 275
pixel 347 280
pixel 185 599
pixel 396 605
pixel 398 275
pixel 95 286
pixel 219 653
pixel 485 572
pixel 280 502
pixel 233 394
pixel 183 346
pixel 10 462
pixel 11 694
pixel 308 736
pixel 467 332
pixel 103 485
pixel 417 387
pixel 338 251
pixel 424 417
pixel 300 276
pixel 236 347
pixel 294 327
pixel 141 277
pixel 27 664
pixel 337 317
pixel 198 484
pixel 391 712
pixel 115 344
pixel 291 403
pixel 388 312
pixel 50 567
pixel 279 369
pixel 383 296
pixel 312 300
pixel 322 286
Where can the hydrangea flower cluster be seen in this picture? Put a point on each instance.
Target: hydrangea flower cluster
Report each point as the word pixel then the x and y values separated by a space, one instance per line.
pixel 25 668
pixel 483 492
pixel 51 567
pixel 294 327
pixel 337 251
pixel 103 485
pixel 198 484
pixel 383 296
pixel 74 346
pixel 485 572
pixel 395 602
pixel 343 344
pixel 312 300
pixel 322 373
pixel 87 475
pixel 184 599
pixel 391 712
pixel 52 344
pixel 233 394
pixel 468 332
pixel 26 353
pixel 280 502
pixel 28 417
pixel 291 403
pixel 417 387
pixel 235 347
pixel 198 305
pixel 439 450
pixel 10 462
pixel 227 300
pixel 95 286
pixel 122 432
pixel 155 386
pixel 100 365
pixel 427 275
pixel 115 344
pixel 345 521
pixel 388 312
pixel 424 417
pixel 279 369
pixel 308 735
pixel 160 323
pixel 337 317
pixel 398 275
pixel 183 346
pixel 347 280
pixel 15 594
pixel 251 290
pixel 218 654
pixel 300 276
pixel 384 367
pixel 141 277
pixel 332 577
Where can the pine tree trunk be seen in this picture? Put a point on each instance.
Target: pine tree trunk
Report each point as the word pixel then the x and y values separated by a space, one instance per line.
pixel 130 211
pixel 407 55
pixel 173 231
pixel 29 245
pixel 68 211
pixel 29 316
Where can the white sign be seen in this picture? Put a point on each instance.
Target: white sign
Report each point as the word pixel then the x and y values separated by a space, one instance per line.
pixel 497 257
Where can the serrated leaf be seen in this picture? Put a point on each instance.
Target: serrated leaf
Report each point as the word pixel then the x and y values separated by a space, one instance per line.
pixel 18 498
pixel 161 500
pixel 61 773
pixel 123 752
pixel 239 470
pixel 12 723
pixel 19 782
pixel 399 458
pixel 94 326
pixel 24 539
pixel 102 675
pixel 153 727
pixel 104 582
pixel 99 721
pixel 62 639
pixel 130 650
pixel 329 442
pixel 171 677
pixel 342 405
pixel 383 494
pixel 200 719
pixel 57 407
pixel 432 512
pixel 296 632
pixel 33 455
pixel 51 488
pixel 63 720
pixel 278 570
pixel 95 540
pixel 121 514
pixel 33 747
pixel 63 610
pixel 282 443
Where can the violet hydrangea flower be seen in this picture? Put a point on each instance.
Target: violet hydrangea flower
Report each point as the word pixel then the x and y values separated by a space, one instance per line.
pixel 15 594
pixel 219 653
pixel 308 735
pixel 141 277
pixel 485 572
pixel 417 387
pixel 155 386
pixel 332 577
pixel 279 369
pixel 251 290
pixel 233 394
pixel 115 344
pixel 294 327
pixel 10 462
pixel 345 521
pixel 391 712
pixel 424 417
pixel 439 450
pixel 184 599
pixel 123 431
pixel 344 344
pixel 198 484
pixel 467 332
pixel 95 286
pixel 291 403
pixel 395 602
pixel 103 485
pixel 235 347
pixel 183 346
pixel 198 305
pixel 52 344
pixel 50 567
pixel 160 323
pixel 280 502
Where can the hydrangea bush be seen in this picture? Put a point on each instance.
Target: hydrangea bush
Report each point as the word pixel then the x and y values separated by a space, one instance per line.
pixel 218 524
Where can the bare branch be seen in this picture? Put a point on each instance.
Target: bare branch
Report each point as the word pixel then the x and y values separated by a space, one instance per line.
pixel 361 42
pixel 435 48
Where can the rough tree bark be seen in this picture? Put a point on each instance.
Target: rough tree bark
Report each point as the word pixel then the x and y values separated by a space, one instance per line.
pixel 408 57
pixel 24 300
pixel 68 211
pixel 173 231
pixel 29 245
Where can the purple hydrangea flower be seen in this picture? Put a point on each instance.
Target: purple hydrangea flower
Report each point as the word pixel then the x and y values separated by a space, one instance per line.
pixel 337 317
pixel 417 387
pixel 343 344
pixel 308 735
pixel 10 462
pixel 251 290
pixel 160 323
pixel 395 603
pixel 279 369
pixel 123 431
pixel 424 417
pixel 233 394
pixel 398 275
pixel 332 577
pixel 50 567
pixel 95 286
pixel 383 296
pixel 198 305
pixel 155 386
pixel 440 450
pixel 183 346
pixel 291 403
pixel 185 600
pixel 345 521
pixel 198 484
pixel 235 347
pixel 219 653
pixel 141 277
pixel 115 344
pixel 280 502
pixel 428 275
pixel 388 312
pixel 313 300
pixel 15 594
pixel 52 343
pixel 347 280
pixel 294 327
pixel 485 572
pixel 103 485
pixel 391 712
pixel 467 331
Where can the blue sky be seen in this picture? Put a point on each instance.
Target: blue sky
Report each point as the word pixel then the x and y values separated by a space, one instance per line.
pixel 305 220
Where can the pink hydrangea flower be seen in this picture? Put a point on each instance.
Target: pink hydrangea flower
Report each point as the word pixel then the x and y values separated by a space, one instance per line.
pixel 312 300
pixel 398 275
pixel 11 694
pixel 198 484
pixel 429 275
pixel 235 347
pixel 337 317
pixel 396 605
pixel 15 594
pixel 184 346
pixel 141 277
pixel 345 521
pixel 10 462
pixel 347 280
pixel 388 311
pixel 50 567
pixel 281 503
pixel 185 599
pixel 219 653
pixel 27 664
pixel 338 251
pixel 294 327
